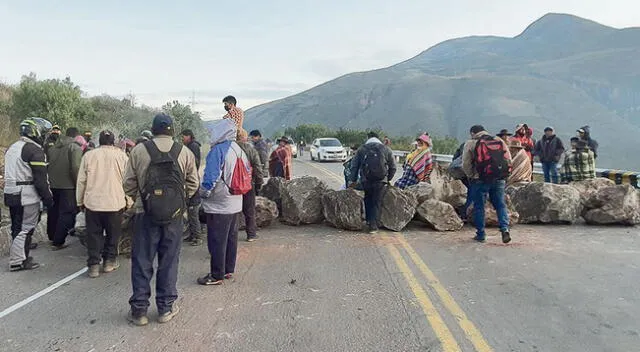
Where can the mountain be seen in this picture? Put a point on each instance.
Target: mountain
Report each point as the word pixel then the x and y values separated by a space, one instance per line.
pixel 562 71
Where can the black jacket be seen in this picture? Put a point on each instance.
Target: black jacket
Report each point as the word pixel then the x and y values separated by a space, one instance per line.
pixel 549 149
pixel 194 147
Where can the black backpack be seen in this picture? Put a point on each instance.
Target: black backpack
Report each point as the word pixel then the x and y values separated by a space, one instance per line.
pixel 374 163
pixel 163 194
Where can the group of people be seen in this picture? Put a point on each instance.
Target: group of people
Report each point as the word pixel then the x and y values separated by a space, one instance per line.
pixel 157 179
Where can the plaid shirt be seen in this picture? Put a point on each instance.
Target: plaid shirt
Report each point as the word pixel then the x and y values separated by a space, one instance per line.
pixel 236 115
pixel 408 178
pixel 579 165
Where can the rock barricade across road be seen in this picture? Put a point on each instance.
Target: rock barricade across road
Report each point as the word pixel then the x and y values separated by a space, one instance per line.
pixel 344 209
pixel 588 187
pixel 272 190
pixel 446 189
pixel 547 203
pixel 397 209
pixel 617 204
pixel 439 215
pixel 491 216
pixel 302 200
pixel 266 213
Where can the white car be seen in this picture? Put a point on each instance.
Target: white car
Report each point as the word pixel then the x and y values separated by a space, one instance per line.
pixel 328 149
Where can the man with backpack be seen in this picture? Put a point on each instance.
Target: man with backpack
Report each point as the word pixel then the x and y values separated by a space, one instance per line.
pixel 161 175
pixel 375 165
pixel 227 177
pixel 487 163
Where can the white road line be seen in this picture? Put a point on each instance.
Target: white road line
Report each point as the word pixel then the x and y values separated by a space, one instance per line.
pixel 23 303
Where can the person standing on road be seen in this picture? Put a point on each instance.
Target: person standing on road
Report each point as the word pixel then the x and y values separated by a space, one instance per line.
pixel 263 150
pixel 234 113
pixel 523 134
pixel 521 170
pixel 64 164
pixel 101 196
pixel 549 149
pixel 375 164
pixel 418 165
pixel 161 175
pixel 249 198
pixel 487 163
pixel 579 162
pixel 221 207
pixel 280 160
pixel 194 237
pixel 26 184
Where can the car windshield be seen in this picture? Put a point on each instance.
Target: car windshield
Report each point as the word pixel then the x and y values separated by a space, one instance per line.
pixel 330 143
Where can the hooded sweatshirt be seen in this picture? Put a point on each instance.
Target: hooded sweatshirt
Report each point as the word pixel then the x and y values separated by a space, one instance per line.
pixel 218 173
pixel 64 163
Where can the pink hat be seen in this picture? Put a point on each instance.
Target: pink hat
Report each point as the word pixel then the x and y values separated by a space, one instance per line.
pixel 425 138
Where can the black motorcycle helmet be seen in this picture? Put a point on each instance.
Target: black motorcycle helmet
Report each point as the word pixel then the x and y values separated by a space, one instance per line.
pixel 35 128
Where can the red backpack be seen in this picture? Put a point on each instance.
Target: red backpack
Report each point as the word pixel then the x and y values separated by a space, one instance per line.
pixel 241 179
pixel 490 159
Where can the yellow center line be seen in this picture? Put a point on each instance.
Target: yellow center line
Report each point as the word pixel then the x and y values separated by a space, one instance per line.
pixel 473 334
pixel 325 171
pixel 438 325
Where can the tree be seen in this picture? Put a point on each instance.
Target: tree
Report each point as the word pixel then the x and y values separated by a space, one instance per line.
pixel 59 101
pixel 185 118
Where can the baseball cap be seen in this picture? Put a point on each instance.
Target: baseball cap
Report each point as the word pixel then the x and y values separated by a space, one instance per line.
pixel 162 122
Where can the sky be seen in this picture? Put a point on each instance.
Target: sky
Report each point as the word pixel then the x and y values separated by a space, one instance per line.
pixel 258 51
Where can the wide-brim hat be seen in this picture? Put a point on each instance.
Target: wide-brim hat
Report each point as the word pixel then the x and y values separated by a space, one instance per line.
pixel 283 139
pixel 504 133
pixel 515 144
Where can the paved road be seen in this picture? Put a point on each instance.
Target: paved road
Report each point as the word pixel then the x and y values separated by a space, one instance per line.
pixel 314 288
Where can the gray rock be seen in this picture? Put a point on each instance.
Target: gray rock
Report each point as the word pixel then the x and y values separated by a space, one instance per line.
pixel 397 209
pixel 344 209
pixel 302 201
pixel 272 190
pixel 266 213
pixel 439 215
pixel 547 203
pixel 491 216
pixel 588 187
pixel 617 204
pixel 423 191
pixel 446 189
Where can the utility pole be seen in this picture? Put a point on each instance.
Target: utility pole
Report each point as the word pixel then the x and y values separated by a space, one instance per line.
pixel 193 99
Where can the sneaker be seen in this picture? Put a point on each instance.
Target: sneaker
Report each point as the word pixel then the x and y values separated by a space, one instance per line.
pixel 110 265
pixel 480 239
pixel 373 230
pixel 94 271
pixel 506 237
pixel 196 242
pixel 228 276
pixel 28 264
pixel 209 281
pixel 55 247
pixel 138 319
pixel 166 317
pixel 252 238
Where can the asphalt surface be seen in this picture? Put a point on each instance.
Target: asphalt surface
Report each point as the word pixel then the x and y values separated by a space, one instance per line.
pixel 314 288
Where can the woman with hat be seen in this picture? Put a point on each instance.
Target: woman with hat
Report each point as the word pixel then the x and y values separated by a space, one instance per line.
pixel 280 160
pixel 505 135
pixel 419 164
pixel 521 169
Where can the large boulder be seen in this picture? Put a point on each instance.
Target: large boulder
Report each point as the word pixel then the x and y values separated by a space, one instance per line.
pixel 446 189
pixel 439 215
pixel 588 187
pixel 617 204
pixel 302 200
pixel 423 191
pixel 547 203
pixel 272 190
pixel 266 213
pixel 491 216
pixel 397 209
pixel 343 209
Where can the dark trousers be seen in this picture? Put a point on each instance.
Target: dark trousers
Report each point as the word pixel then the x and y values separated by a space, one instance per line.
pixel 62 216
pixel 194 221
pixel 249 213
pixel 148 240
pixel 222 240
pixel 373 192
pixel 24 220
pixel 98 245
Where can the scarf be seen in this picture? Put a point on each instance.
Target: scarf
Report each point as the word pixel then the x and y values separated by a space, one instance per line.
pixel 420 161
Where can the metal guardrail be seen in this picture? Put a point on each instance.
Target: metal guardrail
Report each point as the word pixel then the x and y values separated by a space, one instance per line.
pixel 618 176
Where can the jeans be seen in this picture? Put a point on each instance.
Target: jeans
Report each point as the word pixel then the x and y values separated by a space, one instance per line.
pixel 373 193
pixel 550 170
pixel 249 213
pixel 150 239
pixel 495 190
pixel 222 241
pixel 98 245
